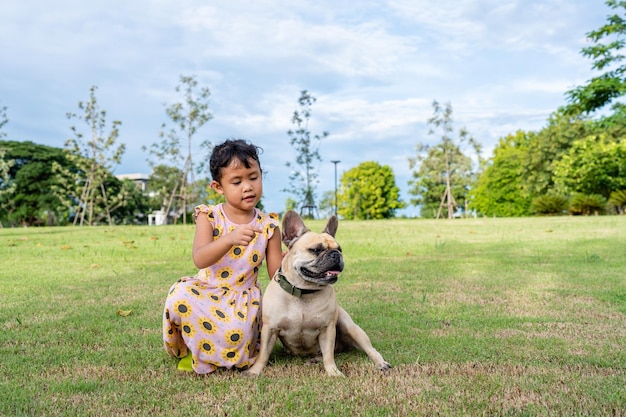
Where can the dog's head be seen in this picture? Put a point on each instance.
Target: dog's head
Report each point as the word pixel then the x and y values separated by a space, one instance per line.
pixel 314 257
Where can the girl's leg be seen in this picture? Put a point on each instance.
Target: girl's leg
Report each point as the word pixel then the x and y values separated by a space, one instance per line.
pixel 172 337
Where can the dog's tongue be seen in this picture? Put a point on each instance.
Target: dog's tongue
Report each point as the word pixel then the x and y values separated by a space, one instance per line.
pixel 332 273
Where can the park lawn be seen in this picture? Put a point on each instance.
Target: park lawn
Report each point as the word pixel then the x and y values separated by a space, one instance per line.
pixel 477 316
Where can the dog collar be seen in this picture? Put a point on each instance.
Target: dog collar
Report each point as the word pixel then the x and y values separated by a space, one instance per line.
pixel 291 289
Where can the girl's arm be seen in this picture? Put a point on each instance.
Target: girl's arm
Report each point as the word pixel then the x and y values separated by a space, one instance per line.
pixel 273 253
pixel 207 251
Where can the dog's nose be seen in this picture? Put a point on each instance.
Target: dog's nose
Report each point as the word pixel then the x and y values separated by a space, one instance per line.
pixel 335 255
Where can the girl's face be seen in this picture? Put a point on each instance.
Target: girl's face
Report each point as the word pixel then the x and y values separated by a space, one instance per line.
pixel 242 187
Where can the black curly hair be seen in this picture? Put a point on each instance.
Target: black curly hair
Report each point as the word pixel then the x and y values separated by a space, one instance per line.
pixel 231 149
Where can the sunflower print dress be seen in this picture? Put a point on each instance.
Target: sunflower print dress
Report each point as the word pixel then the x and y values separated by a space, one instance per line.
pixel 216 313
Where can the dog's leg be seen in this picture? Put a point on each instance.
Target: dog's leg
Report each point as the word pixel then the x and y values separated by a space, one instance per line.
pixel 327 346
pixel 268 340
pixel 360 339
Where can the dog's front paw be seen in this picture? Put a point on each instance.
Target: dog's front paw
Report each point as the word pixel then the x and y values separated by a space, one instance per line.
pixel 334 371
pixel 385 366
pixel 249 374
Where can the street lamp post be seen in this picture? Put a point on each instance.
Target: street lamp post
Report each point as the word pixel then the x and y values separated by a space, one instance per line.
pixel 335 162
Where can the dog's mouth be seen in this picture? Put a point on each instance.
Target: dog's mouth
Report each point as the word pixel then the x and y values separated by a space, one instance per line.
pixel 324 278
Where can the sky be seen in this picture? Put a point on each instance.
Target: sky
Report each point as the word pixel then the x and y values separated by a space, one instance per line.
pixel 374 67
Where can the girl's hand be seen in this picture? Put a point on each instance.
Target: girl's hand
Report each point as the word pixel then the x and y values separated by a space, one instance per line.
pixel 243 235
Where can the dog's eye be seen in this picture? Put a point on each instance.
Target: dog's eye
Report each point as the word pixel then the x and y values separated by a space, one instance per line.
pixel 316 250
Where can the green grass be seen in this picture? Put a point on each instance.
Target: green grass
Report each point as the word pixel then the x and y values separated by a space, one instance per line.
pixel 477 316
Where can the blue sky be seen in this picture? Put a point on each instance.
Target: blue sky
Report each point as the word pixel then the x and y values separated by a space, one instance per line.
pixel 374 66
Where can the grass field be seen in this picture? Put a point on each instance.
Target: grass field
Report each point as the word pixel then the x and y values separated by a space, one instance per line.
pixel 477 316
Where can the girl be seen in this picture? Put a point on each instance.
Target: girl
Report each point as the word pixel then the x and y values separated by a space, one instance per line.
pixel 213 318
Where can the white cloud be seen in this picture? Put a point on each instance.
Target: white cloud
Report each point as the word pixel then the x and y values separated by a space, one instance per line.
pixel 375 68
pixel 376 121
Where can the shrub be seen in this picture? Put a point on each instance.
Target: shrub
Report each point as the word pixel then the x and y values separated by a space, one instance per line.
pixel 549 204
pixel 587 204
pixel 618 199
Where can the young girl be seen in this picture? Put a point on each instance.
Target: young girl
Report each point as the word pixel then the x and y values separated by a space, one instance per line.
pixel 214 317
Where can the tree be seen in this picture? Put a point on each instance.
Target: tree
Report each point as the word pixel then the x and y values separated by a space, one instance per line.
pixel 603 89
pixel 612 124
pixel 175 148
pixel 367 192
pixel 587 204
pixel 131 206
pixel 7 187
pixel 33 201
pixel 523 166
pixel 290 204
pixel 304 177
pixel 572 154
pixel 443 173
pixel 618 201
pixel 500 189
pixel 163 179
pixel 327 204
pixel 545 147
pixel 593 165
pixel 207 194
pixel 3 121
pixel 84 190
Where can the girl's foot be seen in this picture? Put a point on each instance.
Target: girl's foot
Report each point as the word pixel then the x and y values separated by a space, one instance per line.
pixel 185 363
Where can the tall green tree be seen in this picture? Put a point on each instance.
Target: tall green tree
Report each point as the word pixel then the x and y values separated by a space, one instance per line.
pixel 368 192
pixel 443 173
pixel 546 146
pixel 176 146
pixel 94 154
pixel 593 165
pixel 607 57
pixel 303 177
pixel 501 187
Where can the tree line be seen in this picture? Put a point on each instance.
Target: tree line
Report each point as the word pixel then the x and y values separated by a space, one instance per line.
pixel 576 164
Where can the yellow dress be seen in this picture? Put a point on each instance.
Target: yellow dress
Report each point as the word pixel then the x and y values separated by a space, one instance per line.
pixel 216 314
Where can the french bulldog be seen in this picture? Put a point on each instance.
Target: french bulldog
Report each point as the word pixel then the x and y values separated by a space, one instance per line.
pixel 300 306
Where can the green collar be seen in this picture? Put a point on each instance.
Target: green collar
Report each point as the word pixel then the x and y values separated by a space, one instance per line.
pixel 287 286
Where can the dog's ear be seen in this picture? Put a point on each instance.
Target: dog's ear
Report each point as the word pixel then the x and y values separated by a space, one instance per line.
pixel 331 226
pixel 293 228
